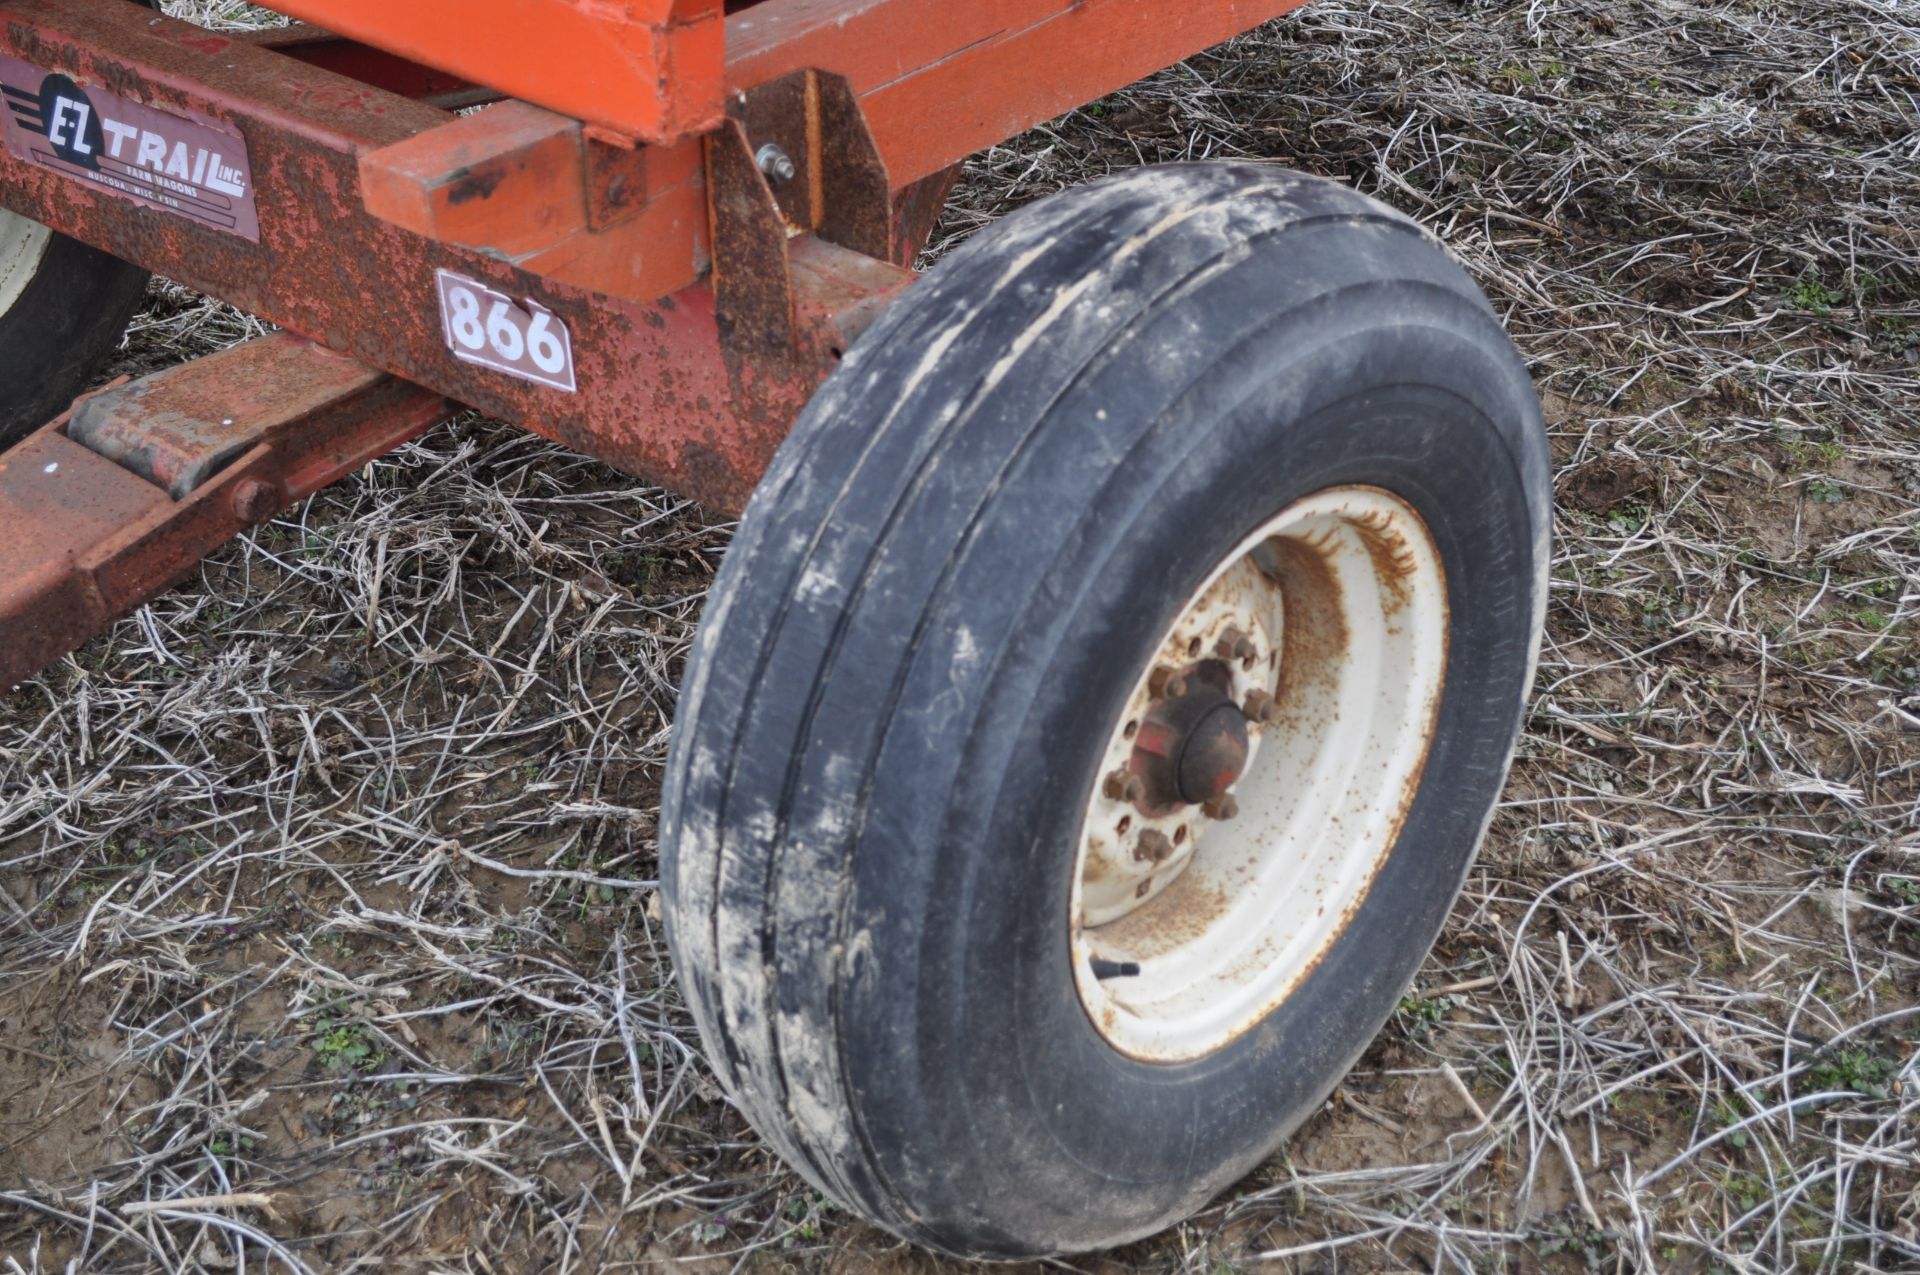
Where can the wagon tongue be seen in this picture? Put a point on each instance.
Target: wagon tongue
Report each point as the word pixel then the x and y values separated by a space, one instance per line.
pixel 112 502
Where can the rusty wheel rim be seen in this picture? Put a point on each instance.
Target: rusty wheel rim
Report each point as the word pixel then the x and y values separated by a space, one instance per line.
pixel 1217 865
pixel 23 244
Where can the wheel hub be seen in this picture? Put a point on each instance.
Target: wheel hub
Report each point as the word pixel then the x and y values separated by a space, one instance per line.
pixel 1257 777
pixel 1192 748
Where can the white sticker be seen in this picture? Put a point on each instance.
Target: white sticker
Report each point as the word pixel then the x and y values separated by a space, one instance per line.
pixel 491 329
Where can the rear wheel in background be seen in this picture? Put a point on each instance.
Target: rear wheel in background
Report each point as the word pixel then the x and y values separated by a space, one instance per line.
pixel 63 309
pixel 1095 716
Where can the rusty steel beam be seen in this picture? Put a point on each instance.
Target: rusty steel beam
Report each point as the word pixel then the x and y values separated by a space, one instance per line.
pixel 655 390
pixel 642 70
pixel 106 509
pixel 939 80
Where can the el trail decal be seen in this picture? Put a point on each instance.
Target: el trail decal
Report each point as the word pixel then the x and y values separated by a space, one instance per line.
pixel 184 163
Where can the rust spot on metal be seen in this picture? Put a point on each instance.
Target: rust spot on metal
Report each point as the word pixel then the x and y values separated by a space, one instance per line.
pixel 916 211
pixel 1315 638
pixel 256 500
pixel 1392 557
pixel 1179 914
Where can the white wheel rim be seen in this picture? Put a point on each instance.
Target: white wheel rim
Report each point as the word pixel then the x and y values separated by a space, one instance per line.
pixel 1343 600
pixel 23 244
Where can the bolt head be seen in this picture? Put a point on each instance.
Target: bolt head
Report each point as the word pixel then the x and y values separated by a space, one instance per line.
pixel 255 501
pixel 1166 683
pixel 1260 707
pixel 1221 807
pixel 1235 645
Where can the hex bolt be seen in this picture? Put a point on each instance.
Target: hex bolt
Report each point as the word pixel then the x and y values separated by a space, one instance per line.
pixel 1221 807
pixel 1260 707
pixel 1123 785
pixel 1153 846
pixel 1235 645
pixel 255 501
pixel 774 161
pixel 1166 683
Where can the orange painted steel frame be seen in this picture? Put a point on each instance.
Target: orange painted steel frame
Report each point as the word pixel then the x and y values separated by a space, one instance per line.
pixel 618 190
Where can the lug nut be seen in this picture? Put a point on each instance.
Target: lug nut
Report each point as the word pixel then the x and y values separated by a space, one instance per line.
pixel 1260 707
pixel 1235 645
pixel 1167 683
pixel 1153 847
pixel 1123 785
pixel 1221 807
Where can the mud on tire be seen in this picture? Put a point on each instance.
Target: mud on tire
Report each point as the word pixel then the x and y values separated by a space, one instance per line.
pixel 952 581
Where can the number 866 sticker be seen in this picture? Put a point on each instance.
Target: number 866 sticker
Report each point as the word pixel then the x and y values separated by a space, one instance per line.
pixel 488 328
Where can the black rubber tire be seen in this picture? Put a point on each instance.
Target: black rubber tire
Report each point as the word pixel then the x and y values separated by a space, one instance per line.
pixel 931 615
pixel 60 330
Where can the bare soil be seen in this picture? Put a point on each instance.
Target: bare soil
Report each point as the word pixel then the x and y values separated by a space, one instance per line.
pixel 329 936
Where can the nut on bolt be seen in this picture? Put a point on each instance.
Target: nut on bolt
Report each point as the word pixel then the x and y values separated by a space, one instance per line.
pixel 1166 683
pixel 255 501
pixel 1221 807
pixel 774 161
pixel 1235 645
pixel 1123 785
pixel 1260 707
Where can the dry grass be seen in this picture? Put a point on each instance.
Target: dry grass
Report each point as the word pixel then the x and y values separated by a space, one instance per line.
pixel 328 933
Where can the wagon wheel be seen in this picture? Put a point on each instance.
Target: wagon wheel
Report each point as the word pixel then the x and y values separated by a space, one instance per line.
pixel 63 308
pixel 1097 712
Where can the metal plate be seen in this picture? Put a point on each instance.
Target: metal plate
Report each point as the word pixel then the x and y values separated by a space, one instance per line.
pixel 489 328
pixel 194 167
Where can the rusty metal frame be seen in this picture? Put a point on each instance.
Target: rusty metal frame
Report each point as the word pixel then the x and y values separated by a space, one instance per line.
pixel 706 295
pixel 95 530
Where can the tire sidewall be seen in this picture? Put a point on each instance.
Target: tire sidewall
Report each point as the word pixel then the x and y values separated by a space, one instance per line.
pixel 1058 1120
pixel 65 322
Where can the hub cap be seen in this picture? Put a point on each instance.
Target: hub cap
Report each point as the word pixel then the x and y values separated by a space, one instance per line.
pixel 1259 774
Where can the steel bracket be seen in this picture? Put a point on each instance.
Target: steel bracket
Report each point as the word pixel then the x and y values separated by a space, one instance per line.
pixel 835 189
